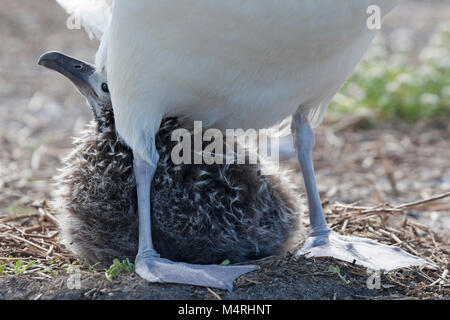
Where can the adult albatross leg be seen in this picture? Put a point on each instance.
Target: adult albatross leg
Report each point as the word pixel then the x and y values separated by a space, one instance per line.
pixel 151 266
pixel 323 242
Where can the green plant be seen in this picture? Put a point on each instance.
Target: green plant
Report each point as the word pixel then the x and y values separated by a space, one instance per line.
pixel 225 262
pixel 20 268
pixel 91 267
pixel 50 270
pixel 336 270
pixel 117 267
pixel 2 268
pixel 70 267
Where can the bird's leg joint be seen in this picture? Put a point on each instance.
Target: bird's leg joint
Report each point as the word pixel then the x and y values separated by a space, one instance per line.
pixel 304 134
pixel 147 254
pixel 142 167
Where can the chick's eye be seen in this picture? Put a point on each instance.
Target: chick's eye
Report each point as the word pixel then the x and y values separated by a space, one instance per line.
pixel 105 88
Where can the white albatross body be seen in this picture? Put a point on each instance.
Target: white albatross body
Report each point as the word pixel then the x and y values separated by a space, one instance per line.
pixel 233 64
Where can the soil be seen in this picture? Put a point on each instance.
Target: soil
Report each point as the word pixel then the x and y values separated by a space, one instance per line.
pixel 285 279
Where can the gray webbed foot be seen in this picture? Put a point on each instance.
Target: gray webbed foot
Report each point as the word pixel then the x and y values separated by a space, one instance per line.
pixel 155 269
pixel 361 251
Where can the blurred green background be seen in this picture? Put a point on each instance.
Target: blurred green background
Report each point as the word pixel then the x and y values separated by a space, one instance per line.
pixel 395 82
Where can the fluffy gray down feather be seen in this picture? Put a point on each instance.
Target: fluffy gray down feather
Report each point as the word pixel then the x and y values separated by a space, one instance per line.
pixel 200 213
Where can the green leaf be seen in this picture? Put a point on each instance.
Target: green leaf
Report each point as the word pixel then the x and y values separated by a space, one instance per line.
pixel 92 267
pixel 116 262
pixel 114 272
pixel 30 264
pixel 225 262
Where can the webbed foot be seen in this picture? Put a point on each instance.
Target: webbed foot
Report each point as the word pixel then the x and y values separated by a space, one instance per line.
pixel 361 251
pixel 155 269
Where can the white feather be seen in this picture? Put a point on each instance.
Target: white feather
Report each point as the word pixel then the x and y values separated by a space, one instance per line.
pixel 93 15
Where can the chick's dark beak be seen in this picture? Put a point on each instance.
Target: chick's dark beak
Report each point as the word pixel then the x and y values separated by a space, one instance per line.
pixel 78 72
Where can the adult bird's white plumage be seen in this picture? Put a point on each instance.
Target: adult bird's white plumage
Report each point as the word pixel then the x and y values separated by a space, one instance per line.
pixel 233 64
pixel 93 15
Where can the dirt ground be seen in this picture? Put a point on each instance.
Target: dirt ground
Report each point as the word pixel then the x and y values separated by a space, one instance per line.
pixel 395 164
pixel 285 280
pixel 56 274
